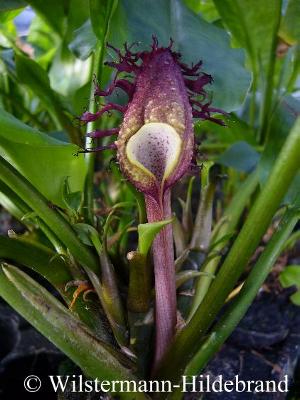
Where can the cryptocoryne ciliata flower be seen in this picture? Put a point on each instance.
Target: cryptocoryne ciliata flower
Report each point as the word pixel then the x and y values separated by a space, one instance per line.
pixel 155 148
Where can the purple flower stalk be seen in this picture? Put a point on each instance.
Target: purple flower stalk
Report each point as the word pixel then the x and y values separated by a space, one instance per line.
pixel 155 148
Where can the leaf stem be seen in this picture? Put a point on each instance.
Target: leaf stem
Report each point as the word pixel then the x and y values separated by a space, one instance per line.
pixel 90 158
pixel 96 70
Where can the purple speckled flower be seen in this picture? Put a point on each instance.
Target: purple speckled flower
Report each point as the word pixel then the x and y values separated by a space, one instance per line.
pixel 155 148
pixel 155 143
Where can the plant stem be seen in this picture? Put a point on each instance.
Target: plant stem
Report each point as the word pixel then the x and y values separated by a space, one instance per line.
pixel 185 345
pixel 164 272
pixel 89 142
pixel 240 305
pixel 96 71
pixel 269 86
pixel 202 227
pixel 292 240
pixel 252 109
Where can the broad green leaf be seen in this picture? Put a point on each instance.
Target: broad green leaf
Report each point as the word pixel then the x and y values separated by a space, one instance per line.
pixel 193 37
pixel 100 11
pixel 58 324
pixel 240 156
pixel 147 233
pixel 44 161
pixel 290 23
pixel 84 41
pixel 253 24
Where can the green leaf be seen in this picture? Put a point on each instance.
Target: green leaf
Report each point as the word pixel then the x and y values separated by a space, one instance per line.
pixel 290 276
pixel 53 12
pixel 73 200
pixel 44 161
pixel 12 203
pixel 35 77
pixel 100 11
pixel 253 24
pixel 184 276
pixel 39 258
pixel 7 5
pixel 240 304
pixel 284 117
pixel 85 233
pixel 6 16
pixel 235 130
pixel 54 220
pixel 58 324
pixel 31 74
pixel 147 233
pixel 78 13
pixel 57 272
pixel 295 298
pixel 193 37
pixel 290 23
pixel 68 73
pixel 84 41
pixel 206 8
pixel 240 156
pixel 43 40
